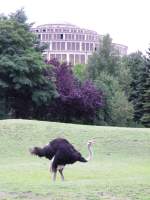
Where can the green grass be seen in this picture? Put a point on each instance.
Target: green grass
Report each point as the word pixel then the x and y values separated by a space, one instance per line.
pixel 120 169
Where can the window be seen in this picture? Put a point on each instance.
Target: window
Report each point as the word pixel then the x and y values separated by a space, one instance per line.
pixel 58 45
pixel 44 30
pixel 73 46
pixel 58 36
pixel 61 36
pixel 64 57
pixel 83 46
pixel 72 37
pixel 77 46
pixel 68 45
pixel 53 45
pixel 46 36
pixel 65 30
pixel 87 46
pixel 58 56
pixel 77 59
pixel 43 36
pixel 39 36
pixel 62 45
pixel 50 36
pixel 82 59
pixel 55 36
pixel 69 36
pixel 71 58
pixel 66 36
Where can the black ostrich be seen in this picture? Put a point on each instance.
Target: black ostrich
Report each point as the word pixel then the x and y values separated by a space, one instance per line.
pixel 61 152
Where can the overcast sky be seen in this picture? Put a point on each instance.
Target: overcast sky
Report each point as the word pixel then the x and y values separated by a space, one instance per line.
pixel 127 21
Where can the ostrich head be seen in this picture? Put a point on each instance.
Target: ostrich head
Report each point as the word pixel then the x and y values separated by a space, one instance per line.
pixel 90 142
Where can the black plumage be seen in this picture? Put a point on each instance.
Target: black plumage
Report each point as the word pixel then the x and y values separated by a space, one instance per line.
pixel 61 151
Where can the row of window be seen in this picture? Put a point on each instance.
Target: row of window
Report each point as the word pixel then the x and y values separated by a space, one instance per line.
pixel 46 37
pixel 64 30
pixel 73 58
pixel 71 46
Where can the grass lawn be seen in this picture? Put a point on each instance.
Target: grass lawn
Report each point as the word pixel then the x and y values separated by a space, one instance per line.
pixel 120 169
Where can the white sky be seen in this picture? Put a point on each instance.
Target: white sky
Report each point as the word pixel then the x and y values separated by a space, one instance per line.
pixel 127 21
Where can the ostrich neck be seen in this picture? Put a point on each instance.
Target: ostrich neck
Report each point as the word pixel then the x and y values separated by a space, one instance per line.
pixel 90 153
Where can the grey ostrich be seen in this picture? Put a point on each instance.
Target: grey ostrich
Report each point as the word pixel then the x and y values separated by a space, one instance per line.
pixel 61 152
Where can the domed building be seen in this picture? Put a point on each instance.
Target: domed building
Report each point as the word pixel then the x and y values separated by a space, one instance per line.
pixel 70 43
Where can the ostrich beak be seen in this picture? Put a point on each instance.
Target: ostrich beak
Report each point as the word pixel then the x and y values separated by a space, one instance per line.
pixel 92 141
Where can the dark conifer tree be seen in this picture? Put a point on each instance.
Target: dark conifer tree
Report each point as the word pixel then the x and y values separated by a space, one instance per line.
pixel 146 93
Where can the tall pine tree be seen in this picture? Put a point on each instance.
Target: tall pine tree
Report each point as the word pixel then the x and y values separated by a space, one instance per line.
pixel 145 120
pixel 140 95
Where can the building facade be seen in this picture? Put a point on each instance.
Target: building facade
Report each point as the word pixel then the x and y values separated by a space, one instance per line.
pixel 67 42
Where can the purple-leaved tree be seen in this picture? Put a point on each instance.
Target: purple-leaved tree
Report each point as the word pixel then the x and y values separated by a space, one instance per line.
pixel 76 101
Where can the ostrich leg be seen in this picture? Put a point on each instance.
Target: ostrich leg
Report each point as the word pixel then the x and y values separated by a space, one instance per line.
pixel 54 176
pixel 61 173
pixel 54 173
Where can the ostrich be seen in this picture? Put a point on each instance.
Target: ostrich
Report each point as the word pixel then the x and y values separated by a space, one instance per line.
pixel 61 152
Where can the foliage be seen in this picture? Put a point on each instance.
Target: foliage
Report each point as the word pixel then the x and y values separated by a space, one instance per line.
pixel 107 70
pixel 105 59
pixel 79 71
pixel 135 63
pixel 117 110
pixel 77 102
pixel 142 107
pixel 21 68
pixel 125 76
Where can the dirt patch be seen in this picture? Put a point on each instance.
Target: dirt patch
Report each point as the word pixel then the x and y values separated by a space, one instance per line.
pixel 110 196
pixel 29 195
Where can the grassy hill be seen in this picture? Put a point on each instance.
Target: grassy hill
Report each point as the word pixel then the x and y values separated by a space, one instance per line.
pixel 120 169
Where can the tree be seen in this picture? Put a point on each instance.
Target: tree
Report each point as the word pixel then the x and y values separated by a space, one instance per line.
pixel 124 76
pixel 106 69
pixel 106 58
pixel 142 106
pixel 117 111
pixel 135 63
pixel 77 102
pixel 79 71
pixel 23 86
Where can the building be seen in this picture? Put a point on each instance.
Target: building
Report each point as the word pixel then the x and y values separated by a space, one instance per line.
pixel 67 42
